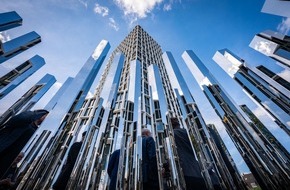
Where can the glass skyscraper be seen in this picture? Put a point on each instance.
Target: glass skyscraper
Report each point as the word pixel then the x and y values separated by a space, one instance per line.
pixel 136 91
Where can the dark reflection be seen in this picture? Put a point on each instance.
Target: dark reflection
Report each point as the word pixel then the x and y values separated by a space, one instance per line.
pixel 188 163
pixel 149 164
pixel 113 168
pixel 64 176
pixel 9 179
pixel 15 133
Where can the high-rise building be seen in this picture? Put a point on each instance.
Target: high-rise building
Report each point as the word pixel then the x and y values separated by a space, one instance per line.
pixel 274 45
pixel 135 91
pixel 275 103
pixel 16 76
pixel 257 152
pixel 56 133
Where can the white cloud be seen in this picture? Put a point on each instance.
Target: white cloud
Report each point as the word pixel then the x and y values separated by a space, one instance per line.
pixel 4 37
pixel 285 74
pixel 104 11
pixel 139 9
pixel 205 81
pixel 263 47
pixel 167 7
pixel 99 49
pixel 84 3
pixel 89 95
pixel 57 85
pixel 113 24
pixel 284 26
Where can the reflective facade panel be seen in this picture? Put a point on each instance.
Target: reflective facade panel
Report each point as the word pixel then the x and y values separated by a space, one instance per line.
pixel 30 98
pixel 231 174
pixel 262 130
pixel 53 101
pixel 206 150
pixel 272 82
pixel 9 20
pixel 237 69
pixel 274 45
pixel 135 91
pixel 277 7
pixel 254 149
pixel 57 125
pixel 78 87
pixel 113 118
pixel 17 45
pixel 16 76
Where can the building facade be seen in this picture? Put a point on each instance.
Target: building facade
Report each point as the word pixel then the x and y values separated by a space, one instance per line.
pixel 9 20
pixel 18 45
pixel 16 76
pixel 135 92
pixel 11 78
pixel 275 103
pixel 30 98
pixel 274 45
pixel 255 150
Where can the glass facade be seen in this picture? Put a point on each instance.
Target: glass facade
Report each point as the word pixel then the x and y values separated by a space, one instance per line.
pixel 206 149
pixel 277 7
pixel 274 45
pixel 55 130
pixel 270 84
pixel 16 76
pixel 53 101
pixel 275 105
pixel 18 45
pixel 9 20
pixel 254 149
pixel 135 92
pixel 274 76
pixel 30 98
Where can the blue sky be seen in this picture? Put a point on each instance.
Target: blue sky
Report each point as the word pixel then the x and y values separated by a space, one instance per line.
pixel 71 29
